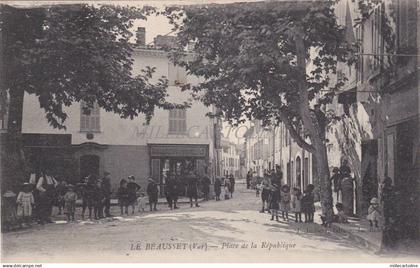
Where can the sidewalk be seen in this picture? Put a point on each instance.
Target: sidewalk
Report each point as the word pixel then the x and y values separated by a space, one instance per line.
pixel 356 229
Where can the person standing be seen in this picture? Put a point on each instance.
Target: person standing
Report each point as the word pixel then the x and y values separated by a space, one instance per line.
pixel 153 193
pixel 226 188
pixel 206 187
pixel 296 207
pixel 285 201
pixel 232 184
pixel 217 188
pixel 308 203
pixel 123 197
pixel 171 191
pixel 46 187
pixel 336 180
pixel 274 202
pixel 347 188
pixel 277 176
pixel 60 191
pixel 192 188
pixel 374 213
pixel 132 188
pixel 248 179
pixel 265 191
pixel 98 200
pixel 106 187
pixel 70 198
pixel 25 200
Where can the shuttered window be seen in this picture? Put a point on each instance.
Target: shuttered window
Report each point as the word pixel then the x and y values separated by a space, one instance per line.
pixel 90 118
pixel 177 121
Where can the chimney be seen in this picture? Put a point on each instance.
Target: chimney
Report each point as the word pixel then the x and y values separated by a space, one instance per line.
pixel 141 36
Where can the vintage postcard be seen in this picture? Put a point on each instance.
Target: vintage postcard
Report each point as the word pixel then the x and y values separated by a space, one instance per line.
pixel 210 131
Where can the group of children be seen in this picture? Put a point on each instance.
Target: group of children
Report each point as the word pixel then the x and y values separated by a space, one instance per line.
pixel 25 202
pixel 284 200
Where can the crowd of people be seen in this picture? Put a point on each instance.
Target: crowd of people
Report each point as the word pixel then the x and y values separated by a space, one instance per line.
pixel 38 196
pixel 279 199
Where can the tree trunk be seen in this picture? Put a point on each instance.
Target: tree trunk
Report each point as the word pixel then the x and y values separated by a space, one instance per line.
pixel 13 159
pixel 320 149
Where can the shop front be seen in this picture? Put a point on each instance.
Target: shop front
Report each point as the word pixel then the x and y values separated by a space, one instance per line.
pixel 179 159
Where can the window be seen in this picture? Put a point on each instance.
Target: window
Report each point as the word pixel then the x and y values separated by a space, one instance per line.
pixel 298 172
pixel 177 121
pixel 89 118
pixel 176 75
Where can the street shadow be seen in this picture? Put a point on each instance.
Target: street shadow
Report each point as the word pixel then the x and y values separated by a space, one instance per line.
pixel 315 232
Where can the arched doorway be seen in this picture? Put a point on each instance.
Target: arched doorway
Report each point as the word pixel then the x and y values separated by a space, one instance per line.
pixel 89 165
pixel 298 172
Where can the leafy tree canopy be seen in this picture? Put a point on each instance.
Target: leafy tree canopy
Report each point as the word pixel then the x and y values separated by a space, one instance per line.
pixel 78 53
pixel 248 55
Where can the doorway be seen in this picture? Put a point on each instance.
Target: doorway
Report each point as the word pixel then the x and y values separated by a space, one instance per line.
pixel 89 165
pixel 369 173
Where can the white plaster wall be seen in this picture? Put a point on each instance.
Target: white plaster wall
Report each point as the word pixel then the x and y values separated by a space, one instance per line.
pixel 117 131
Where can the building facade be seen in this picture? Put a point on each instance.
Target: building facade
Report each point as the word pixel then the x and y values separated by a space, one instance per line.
pixel 231 159
pixel 267 148
pixel 97 141
pixel 379 106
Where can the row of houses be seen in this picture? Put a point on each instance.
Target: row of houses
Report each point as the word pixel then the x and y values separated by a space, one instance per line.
pixel 271 147
pixel 378 111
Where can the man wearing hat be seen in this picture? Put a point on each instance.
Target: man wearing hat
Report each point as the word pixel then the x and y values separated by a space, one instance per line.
pixel 106 187
pixel 46 187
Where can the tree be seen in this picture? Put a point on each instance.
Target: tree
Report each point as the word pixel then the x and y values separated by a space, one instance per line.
pixel 70 53
pixel 254 58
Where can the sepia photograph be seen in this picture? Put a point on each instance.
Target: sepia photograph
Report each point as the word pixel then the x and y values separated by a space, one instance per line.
pixel 210 131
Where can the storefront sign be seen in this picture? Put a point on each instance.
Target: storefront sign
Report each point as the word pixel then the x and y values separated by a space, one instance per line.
pixel 178 150
pixel 46 140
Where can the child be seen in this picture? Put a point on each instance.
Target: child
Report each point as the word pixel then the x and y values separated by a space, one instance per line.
pixel 141 201
pixel 153 193
pixel 226 188
pixel 123 197
pixel 274 202
pixel 70 198
pixel 296 204
pixel 60 191
pixel 25 200
pixel 341 216
pixel 308 207
pixel 285 201
pixel 374 212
